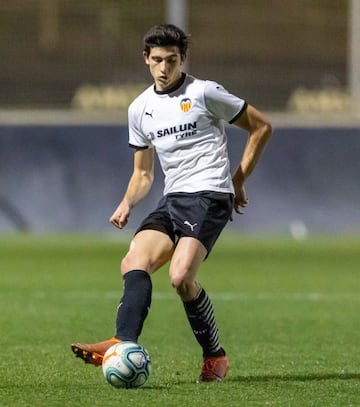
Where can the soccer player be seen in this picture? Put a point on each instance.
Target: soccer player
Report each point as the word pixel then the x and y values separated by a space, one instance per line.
pixel 181 119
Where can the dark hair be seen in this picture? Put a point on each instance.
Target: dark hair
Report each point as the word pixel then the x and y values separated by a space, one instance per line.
pixel 165 35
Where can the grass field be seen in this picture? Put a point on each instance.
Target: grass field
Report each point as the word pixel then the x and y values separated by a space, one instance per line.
pixel 288 313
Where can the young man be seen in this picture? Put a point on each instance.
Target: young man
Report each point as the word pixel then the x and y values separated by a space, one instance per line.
pixel 182 119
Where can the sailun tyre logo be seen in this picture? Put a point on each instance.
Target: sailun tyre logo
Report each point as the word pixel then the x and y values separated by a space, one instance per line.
pixel 185 105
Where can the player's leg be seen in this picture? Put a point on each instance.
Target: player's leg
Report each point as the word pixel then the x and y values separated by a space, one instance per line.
pixel 184 266
pixel 149 250
pixel 143 258
pixel 200 218
pixel 186 260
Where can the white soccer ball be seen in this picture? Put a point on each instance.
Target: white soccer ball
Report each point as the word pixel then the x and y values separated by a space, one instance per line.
pixel 126 365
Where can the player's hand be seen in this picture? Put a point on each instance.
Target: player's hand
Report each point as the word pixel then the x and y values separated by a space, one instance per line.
pixel 121 215
pixel 240 201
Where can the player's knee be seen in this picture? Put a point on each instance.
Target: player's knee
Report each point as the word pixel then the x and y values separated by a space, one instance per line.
pixel 177 281
pixel 124 266
pixel 184 286
pixel 128 263
pixel 133 260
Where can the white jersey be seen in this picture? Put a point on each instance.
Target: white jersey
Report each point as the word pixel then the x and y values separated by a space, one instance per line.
pixel 186 127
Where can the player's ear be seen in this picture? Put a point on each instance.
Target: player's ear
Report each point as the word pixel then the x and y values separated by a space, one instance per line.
pixel 146 57
pixel 183 58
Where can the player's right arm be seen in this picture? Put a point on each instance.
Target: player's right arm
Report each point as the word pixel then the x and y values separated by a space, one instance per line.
pixel 138 187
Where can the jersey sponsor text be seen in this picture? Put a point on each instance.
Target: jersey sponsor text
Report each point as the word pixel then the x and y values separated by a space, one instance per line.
pixel 179 131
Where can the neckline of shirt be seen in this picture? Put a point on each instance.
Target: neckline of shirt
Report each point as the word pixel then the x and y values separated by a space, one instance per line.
pixel 176 86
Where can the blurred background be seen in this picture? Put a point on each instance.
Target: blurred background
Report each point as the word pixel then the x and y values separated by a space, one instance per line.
pixel 69 70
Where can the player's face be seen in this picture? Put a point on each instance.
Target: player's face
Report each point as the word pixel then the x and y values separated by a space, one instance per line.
pixel 165 66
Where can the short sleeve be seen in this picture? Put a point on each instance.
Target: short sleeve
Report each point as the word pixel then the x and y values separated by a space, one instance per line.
pixel 136 137
pixel 221 103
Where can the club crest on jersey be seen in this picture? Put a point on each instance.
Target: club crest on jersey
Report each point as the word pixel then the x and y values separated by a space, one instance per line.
pixel 185 105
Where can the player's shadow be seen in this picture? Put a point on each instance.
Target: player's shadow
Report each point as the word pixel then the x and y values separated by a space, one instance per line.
pixel 295 377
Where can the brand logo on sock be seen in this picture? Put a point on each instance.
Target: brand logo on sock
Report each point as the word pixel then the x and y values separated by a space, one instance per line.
pixel 192 227
pixel 202 332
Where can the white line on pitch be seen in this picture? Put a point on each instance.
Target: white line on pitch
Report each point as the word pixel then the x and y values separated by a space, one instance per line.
pixel 216 296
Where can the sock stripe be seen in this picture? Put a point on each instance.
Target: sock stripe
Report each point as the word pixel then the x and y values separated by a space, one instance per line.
pixel 201 316
pixel 206 307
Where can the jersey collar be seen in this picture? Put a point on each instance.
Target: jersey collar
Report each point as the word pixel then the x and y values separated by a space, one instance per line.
pixel 176 86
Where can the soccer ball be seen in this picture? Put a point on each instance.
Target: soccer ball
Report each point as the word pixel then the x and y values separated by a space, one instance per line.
pixel 126 365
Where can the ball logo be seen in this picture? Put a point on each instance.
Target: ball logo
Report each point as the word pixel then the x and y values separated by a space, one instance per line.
pixel 185 105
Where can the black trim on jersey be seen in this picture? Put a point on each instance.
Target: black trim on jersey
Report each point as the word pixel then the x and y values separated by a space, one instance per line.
pixel 239 114
pixel 138 147
pixel 177 85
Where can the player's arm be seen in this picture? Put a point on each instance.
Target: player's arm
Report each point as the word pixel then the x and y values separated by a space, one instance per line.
pixel 259 129
pixel 138 187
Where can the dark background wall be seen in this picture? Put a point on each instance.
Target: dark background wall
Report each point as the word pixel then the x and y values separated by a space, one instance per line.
pixel 261 50
pixel 71 178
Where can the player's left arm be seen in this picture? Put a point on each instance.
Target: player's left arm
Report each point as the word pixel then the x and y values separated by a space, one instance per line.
pixel 259 130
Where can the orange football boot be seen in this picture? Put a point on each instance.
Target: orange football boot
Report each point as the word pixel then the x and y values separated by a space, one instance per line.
pixel 93 353
pixel 214 369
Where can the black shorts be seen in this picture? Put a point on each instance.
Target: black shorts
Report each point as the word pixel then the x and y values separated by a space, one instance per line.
pixel 202 215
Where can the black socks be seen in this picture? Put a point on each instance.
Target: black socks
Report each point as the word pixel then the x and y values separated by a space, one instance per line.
pixel 200 313
pixel 134 305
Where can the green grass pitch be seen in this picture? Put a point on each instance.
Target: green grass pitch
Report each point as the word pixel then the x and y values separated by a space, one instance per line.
pixel 288 313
